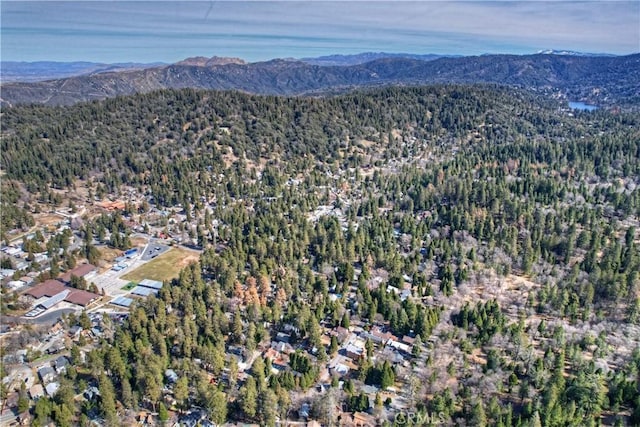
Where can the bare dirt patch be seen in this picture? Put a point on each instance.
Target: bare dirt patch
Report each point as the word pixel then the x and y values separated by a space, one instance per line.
pixel 109 254
pixel 138 241
pixel 47 219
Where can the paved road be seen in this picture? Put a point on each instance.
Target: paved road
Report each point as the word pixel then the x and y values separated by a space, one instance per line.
pixel 48 318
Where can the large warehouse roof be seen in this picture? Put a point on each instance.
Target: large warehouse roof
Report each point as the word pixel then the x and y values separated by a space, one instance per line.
pixel 142 291
pixel 47 288
pixel 79 271
pixel 122 301
pixel 52 288
pixel 82 298
pixel 148 283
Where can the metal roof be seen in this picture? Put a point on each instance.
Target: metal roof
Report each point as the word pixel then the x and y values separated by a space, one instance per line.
pixel 50 302
pixel 148 283
pixel 122 301
pixel 142 291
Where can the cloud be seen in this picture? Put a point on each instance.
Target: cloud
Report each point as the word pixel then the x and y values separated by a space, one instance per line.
pixel 170 30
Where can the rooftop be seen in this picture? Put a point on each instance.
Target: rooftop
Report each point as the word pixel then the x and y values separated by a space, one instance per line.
pixel 51 288
pixel 80 297
pixel 122 301
pixel 50 302
pixel 80 271
pixel 143 291
pixel 148 283
pixel 47 288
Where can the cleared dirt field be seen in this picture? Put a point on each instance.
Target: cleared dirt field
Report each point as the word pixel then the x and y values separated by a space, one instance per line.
pixel 109 254
pixel 165 267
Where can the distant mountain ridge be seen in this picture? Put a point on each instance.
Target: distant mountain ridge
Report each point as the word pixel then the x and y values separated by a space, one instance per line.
pixel 571 53
pixel 203 61
pixel 362 58
pixel 15 71
pixel 600 80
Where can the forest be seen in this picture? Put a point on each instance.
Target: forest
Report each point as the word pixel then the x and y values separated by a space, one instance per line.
pixel 511 222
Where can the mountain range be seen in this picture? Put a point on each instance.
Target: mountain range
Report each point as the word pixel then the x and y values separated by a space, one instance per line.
pixel 17 71
pixel 604 80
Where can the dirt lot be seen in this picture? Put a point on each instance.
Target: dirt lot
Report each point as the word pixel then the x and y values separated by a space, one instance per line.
pixel 137 242
pixel 109 254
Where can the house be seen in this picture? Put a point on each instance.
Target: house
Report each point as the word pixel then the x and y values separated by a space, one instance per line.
pixel 399 346
pixel 171 375
pixel 60 364
pixel 305 410
pixel 91 393
pixel 379 336
pixel 289 328
pixel 279 361
pixel 56 347
pixel 52 388
pixel 195 418
pixel 24 418
pixel 362 419
pixel 340 333
pixel 283 347
pixel 354 352
pixel 15 285
pixel 41 257
pixel 7 272
pixel 341 369
pixel 36 391
pixel 282 337
pixel 74 332
pixel 408 340
pixel 28 280
pixel 46 374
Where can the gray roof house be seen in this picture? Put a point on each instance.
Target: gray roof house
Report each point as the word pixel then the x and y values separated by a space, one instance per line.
pixel 46 374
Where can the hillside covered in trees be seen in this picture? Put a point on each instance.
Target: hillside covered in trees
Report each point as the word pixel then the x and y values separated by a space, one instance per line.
pixel 610 81
pixel 491 229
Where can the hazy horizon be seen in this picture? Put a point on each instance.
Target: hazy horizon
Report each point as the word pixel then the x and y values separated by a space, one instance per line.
pixel 169 31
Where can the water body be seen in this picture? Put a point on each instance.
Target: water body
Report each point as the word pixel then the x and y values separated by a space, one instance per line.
pixel 582 106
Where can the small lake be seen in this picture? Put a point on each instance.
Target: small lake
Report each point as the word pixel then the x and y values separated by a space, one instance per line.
pixel 582 106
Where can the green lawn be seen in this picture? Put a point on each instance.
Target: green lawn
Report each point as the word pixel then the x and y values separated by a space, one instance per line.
pixel 129 286
pixel 165 267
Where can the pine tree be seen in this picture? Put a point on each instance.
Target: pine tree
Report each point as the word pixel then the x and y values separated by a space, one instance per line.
pixel 248 398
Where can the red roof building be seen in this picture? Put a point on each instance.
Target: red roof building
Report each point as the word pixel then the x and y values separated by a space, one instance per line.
pixel 50 288
pixel 83 298
pixel 79 271
pixel 47 288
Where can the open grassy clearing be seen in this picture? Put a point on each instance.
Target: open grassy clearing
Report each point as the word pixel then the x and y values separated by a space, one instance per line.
pixel 165 267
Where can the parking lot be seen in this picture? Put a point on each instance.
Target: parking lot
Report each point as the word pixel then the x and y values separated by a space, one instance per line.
pixel 153 249
pixel 110 280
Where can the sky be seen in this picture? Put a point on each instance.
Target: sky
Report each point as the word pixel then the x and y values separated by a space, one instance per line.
pixel 168 31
